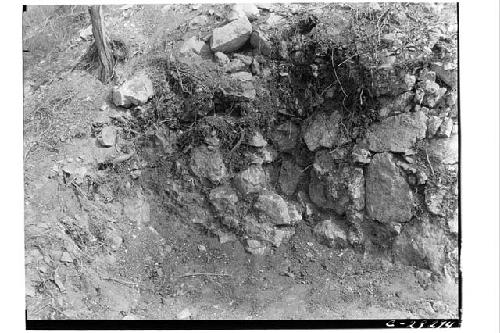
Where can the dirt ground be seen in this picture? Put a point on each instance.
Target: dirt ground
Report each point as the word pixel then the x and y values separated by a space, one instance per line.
pixel 133 251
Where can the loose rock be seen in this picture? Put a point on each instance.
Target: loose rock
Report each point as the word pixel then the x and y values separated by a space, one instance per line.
pixel 273 208
pixel 257 140
pixel 329 233
pixel 224 199
pixel 136 91
pixel 108 136
pixel 444 150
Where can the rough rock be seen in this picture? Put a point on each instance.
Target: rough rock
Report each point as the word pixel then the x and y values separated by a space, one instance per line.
pixel 433 124
pixel 336 187
pixel 257 140
pixel 136 91
pixel 235 65
pixel 444 150
pixel 224 199
pixel 433 93
pixel 285 136
pixel 241 86
pixel 448 76
pixel 396 105
pixel 388 195
pixel 246 9
pixel 208 163
pixel 192 45
pixel 108 136
pixel 281 235
pixel 251 180
pixel 397 133
pixel 199 20
pixel 86 34
pixel 322 130
pixel 435 199
pixel 272 208
pixel 289 176
pixel 453 223
pixel 247 60
pixel 221 58
pixel 445 129
pixel 231 36
pixel 260 42
pixel 274 20
pixel 255 247
pixel 331 234
pixel 268 154
pixel 361 155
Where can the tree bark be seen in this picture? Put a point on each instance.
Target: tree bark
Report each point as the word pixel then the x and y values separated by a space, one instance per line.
pixel 105 55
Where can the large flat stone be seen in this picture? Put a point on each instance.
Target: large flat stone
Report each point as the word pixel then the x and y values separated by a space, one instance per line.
pixel 397 133
pixel 388 195
pixel 231 36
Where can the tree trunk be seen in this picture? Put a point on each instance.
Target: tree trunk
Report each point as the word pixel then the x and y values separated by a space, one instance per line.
pixel 105 55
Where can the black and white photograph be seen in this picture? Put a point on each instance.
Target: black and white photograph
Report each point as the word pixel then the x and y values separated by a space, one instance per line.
pixel 197 165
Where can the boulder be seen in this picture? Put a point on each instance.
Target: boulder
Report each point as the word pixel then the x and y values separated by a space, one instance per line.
pixel 108 136
pixel 231 36
pixel 272 208
pixel 388 195
pixel 208 163
pixel 322 130
pixel 331 234
pixel 136 91
pixel 285 136
pixel 289 176
pixel 260 42
pixel 252 180
pixel 444 150
pixel 224 199
pixel 397 133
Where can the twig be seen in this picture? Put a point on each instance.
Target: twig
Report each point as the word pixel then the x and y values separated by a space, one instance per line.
pixel 338 80
pixel 126 283
pixel 429 161
pixel 204 274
